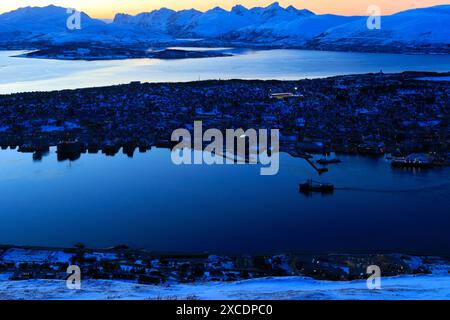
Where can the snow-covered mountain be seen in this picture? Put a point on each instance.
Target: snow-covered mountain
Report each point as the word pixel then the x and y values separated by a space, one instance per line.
pixel 42 19
pixel 295 32
pixel 414 28
pixel 216 22
pixel 268 26
pixel 275 25
pixel 33 25
pixel 36 23
pixel 163 21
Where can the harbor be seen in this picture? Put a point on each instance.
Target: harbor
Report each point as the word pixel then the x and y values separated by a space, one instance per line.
pixel 345 115
pixel 137 202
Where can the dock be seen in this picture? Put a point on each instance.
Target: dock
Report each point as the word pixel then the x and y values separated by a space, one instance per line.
pixel 318 169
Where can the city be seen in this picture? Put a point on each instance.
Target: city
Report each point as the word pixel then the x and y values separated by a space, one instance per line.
pixel 370 114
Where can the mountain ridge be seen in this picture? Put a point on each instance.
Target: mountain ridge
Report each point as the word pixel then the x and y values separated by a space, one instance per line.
pixel 423 29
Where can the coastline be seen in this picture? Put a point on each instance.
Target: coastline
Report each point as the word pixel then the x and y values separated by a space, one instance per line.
pixel 85 51
pixel 145 108
pixel 102 53
pixel 249 154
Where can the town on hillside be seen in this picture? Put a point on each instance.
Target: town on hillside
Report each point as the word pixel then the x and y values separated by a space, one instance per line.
pixel 404 115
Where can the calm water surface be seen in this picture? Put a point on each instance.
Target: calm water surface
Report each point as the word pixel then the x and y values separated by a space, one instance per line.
pixel 147 202
pixel 20 74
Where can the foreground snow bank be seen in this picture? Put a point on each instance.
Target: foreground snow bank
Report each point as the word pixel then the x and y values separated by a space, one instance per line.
pixel 289 288
pixel 435 79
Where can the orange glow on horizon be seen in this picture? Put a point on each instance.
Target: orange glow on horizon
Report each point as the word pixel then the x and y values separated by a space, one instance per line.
pixel 108 8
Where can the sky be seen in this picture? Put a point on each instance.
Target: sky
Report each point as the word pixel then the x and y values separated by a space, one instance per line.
pixel 108 8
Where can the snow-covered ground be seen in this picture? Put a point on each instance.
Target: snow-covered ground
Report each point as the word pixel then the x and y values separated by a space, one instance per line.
pixel 435 79
pixel 287 288
pixel 433 286
pixel 18 255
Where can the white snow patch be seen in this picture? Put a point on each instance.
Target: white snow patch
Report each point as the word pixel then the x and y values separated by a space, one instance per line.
pixel 51 128
pixel 17 255
pixel 289 288
pixel 434 79
pixel 414 262
pixel 99 256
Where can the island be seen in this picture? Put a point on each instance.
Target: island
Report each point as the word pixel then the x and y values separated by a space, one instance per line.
pixel 97 52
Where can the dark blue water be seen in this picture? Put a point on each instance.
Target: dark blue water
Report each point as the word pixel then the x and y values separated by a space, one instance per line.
pixel 147 202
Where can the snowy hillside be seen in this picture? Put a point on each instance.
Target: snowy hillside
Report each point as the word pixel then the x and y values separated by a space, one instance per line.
pixel 162 21
pixel 418 27
pixel 36 23
pixel 275 25
pixel 217 22
pixel 293 32
pixel 432 287
pixel 49 24
pixel 425 29
pixel 42 19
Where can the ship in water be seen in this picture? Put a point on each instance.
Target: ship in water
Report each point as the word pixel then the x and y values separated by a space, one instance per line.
pixel 311 186
pixel 325 161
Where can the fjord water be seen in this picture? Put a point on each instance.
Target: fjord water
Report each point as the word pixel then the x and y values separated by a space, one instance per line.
pixel 148 202
pixel 21 74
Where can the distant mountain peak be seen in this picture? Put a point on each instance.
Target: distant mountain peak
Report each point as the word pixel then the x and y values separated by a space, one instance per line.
pixel 51 7
pixel 239 9
pixel 303 12
pixel 273 10
pixel 291 8
pixel 217 9
pixel 190 11
pixel 275 5
pixel 164 10
pixel 271 25
pixel 33 16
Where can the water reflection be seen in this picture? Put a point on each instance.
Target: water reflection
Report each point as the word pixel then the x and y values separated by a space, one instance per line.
pixel 148 202
pixel 47 75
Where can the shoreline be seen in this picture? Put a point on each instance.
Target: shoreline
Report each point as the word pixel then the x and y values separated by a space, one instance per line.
pixel 352 110
pixel 206 253
pixel 132 53
pixel 69 53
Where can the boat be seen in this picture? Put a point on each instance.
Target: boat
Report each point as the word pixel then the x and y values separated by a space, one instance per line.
pixel 314 186
pixel 325 161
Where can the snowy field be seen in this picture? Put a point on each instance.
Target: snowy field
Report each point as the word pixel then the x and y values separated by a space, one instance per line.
pixel 414 287
pixel 287 288
pixel 435 79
